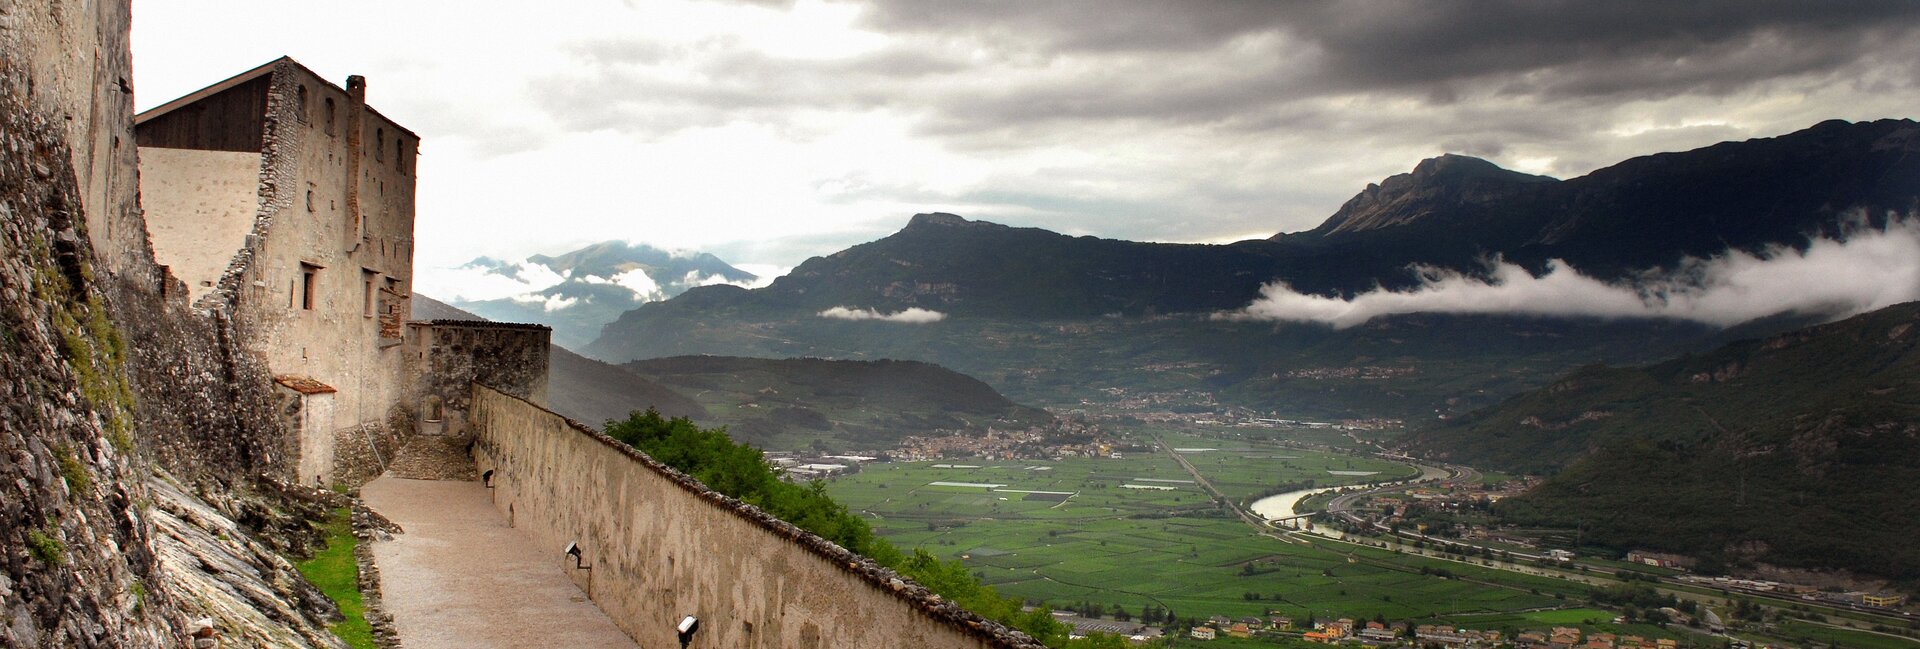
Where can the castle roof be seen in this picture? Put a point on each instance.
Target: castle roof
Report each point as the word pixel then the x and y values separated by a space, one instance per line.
pixel 231 82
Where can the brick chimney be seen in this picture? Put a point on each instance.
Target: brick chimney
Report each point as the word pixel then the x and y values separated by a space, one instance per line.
pixel 356 148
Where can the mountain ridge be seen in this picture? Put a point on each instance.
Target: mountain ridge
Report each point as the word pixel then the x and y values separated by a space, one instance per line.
pixel 1644 213
pixel 579 291
pixel 778 402
pixel 1018 301
pixel 1450 179
pixel 1778 444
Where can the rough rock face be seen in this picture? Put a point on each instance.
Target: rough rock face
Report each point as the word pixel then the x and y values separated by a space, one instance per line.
pixel 219 571
pixel 107 373
pixel 77 568
pixel 1449 182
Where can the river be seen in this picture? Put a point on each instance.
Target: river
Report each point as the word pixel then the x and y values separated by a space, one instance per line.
pixel 1281 505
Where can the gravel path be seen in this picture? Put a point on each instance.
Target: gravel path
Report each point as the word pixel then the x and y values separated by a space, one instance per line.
pixel 460 578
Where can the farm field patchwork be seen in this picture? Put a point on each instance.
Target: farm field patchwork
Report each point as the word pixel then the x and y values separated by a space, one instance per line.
pixel 1073 532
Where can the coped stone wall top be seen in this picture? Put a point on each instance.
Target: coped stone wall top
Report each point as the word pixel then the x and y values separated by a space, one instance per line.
pixel 880 577
pixel 480 324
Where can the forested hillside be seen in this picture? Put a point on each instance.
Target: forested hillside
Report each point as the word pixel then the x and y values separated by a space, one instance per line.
pixel 1797 449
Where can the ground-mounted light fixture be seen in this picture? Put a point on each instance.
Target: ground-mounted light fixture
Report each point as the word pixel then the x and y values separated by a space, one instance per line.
pixel 689 625
pixel 486 479
pixel 579 563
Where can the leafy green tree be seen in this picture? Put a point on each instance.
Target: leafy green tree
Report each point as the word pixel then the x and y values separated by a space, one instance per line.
pixel 743 472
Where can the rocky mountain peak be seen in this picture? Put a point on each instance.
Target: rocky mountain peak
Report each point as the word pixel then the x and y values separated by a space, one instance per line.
pixel 1435 186
pixel 944 220
pixel 937 218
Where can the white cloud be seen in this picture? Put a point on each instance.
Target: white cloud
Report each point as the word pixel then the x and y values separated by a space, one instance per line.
pixel 793 130
pixel 764 274
pixel 478 283
pixel 1837 277
pixel 913 315
pixel 549 303
pixel 642 285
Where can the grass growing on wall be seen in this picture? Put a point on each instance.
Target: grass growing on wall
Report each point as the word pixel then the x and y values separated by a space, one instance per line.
pixel 336 572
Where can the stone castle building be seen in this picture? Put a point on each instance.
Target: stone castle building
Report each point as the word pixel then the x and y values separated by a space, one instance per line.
pixel 143 499
pixel 286 203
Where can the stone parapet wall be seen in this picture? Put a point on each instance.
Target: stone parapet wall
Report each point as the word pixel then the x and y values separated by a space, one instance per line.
pixel 445 357
pixel 659 546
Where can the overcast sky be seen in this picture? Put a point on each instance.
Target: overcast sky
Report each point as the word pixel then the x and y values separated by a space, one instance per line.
pixel 769 132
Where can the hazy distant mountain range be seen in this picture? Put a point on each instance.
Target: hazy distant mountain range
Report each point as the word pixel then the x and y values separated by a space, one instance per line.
pixel 1048 318
pixel 579 291
pixel 791 403
pixel 776 404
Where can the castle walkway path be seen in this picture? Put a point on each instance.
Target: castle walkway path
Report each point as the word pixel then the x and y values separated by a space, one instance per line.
pixel 459 577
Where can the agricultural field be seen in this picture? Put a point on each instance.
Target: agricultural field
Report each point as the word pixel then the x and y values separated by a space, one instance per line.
pixel 1804 633
pixel 1137 532
pixel 1244 468
pixel 1590 619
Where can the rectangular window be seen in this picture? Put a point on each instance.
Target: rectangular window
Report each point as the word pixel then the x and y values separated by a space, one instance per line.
pixel 369 298
pixel 309 286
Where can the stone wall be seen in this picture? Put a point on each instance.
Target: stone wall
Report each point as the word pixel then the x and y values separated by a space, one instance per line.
pixel 213 195
pixel 661 546
pixel 109 373
pixel 73 546
pixel 74 59
pixel 448 356
pixel 362 453
pixel 314 263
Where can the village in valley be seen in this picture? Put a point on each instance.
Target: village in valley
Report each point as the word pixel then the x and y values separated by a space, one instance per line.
pixel 964 494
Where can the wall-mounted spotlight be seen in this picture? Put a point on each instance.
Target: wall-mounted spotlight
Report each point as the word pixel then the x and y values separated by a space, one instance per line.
pixel 688 626
pixel 486 479
pixel 573 550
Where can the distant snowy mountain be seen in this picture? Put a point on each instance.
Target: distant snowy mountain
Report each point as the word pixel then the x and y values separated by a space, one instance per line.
pixel 579 291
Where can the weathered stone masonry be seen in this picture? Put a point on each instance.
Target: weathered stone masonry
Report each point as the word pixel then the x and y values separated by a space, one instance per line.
pixel 286 204
pixel 446 357
pixel 661 546
pixel 107 373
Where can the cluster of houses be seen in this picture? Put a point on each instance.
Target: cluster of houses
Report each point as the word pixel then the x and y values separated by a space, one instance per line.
pixel 796 468
pixel 998 444
pixel 1380 634
pixel 1811 593
pixel 1346 630
pixel 1564 637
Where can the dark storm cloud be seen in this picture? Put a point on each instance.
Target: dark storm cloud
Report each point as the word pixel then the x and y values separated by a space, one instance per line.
pixel 1373 45
pixel 1261 112
pixel 1543 54
pixel 991 73
pixel 659 90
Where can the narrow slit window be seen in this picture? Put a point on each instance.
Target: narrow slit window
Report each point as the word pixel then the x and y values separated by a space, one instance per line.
pixel 329 115
pixel 371 295
pixel 300 101
pixel 379 152
pixel 309 286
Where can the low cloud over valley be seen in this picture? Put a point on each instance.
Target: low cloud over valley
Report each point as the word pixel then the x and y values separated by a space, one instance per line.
pixel 1836 277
